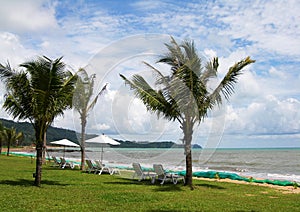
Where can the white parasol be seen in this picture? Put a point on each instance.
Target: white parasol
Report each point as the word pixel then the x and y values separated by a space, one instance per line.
pixel 65 142
pixel 102 139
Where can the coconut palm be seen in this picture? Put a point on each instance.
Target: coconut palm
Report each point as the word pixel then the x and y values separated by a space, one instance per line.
pixel 184 95
pixel 11 137
pixel 39 92
pixel 83 103
pixel 1 136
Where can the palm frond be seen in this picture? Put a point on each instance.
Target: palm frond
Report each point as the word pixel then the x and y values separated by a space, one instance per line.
pixel 6 72
pixel 93 103
pixel 160 78
pixel 226 86
pixel 211 70
pixel 153 100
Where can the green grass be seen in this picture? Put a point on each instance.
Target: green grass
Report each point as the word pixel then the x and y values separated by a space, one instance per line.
pixel 73 190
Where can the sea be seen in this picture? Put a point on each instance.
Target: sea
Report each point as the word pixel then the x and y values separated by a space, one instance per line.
pixel 275 163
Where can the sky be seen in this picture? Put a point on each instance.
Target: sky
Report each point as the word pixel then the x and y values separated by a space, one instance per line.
pixel 111 37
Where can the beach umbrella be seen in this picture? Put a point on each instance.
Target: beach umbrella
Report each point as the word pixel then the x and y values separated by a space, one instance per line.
pixel 103 140
pixel 65 142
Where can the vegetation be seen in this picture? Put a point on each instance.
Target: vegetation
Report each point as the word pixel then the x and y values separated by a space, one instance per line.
pixel 73 190
pixel 184 95
pixel 1 137
pixel 145 144
pixel 39 92
pixel 53 133
pixel 11 137
pixel 83 103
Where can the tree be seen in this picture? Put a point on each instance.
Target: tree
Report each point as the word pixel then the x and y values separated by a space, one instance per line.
pixel 11 137
pixel 1 136
pixel 83 103
pixel 39 92
pixel 184 95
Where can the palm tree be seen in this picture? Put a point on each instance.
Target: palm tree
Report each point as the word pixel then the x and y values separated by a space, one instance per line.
pixel 1 137
pixel 83 104
pixel 39 92
pixel 184 95
pixel 11 137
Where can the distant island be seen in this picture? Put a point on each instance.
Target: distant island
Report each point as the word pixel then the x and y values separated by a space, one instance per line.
pixel 146 144
pixel 54 133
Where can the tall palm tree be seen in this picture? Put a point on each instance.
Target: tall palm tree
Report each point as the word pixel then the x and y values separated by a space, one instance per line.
pixel 11 137
pixel 184 95
pixel 39 92
pixel 83 103
pixel 1 136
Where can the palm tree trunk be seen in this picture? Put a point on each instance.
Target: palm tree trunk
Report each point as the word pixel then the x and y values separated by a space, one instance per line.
pixel 188 132
pixel 39 162
pixel 39 136
pixel 44 148
pixel 82 142
pixel 8 148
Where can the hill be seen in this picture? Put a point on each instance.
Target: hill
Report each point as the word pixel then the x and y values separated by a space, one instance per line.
pixel 54 133
pixel 146 144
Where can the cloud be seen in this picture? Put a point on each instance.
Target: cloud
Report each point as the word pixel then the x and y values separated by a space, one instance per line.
pixel 270 26
pixel 27 16
pixel 101 127
pixel 268 116
pixel 107 39
pixel 12 49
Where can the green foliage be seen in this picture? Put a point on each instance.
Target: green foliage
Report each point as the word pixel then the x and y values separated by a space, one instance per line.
pixel 184 94
pixel 38 93
pixel 73 190
pixel 53 133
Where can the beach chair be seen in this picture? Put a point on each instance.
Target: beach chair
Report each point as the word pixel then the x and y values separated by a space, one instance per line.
pixel 91 167
pixel 56 162
pixel 163 176
pixel 64 163
pixel 140 174
pixel 102 168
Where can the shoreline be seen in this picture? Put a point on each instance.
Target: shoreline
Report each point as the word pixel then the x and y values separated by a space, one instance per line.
pixel 282 188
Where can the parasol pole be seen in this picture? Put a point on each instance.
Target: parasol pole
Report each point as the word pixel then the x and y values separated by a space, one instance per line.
pixel 102 154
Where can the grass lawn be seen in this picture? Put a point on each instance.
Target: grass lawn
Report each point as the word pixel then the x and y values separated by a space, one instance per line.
pixel 73 190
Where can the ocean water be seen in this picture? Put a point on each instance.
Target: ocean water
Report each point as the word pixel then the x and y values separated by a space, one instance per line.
pixel 281 164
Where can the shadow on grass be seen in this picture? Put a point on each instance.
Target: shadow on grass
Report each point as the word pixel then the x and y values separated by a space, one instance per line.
pixel 156 186
pixel 208 186
pixel 168 187
pixel 27 183
pixel 128 181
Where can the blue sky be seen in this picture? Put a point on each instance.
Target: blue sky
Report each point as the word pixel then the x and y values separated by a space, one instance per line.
pixel 112 37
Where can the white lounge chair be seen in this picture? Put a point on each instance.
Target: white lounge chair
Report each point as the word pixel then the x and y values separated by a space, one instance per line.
pixel 64 163
pixel 56 162
pixel 163 176
pixel 91 167
pixel 140 174
pixel 102 168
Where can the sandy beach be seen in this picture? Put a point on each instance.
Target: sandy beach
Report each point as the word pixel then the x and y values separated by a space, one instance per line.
pixel 283 189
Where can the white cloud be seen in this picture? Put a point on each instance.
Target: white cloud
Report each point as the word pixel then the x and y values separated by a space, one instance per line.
pixel 266 96
pixel 12 50
pixel 23 16
pixel 268 116
pixel 101 127
pixel 270 25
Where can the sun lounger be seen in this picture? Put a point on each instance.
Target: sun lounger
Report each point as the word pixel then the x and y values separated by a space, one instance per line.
pixel 163 176
pixel 140 174
pixel 64 163
pixel 91 167
pixel 56 162
pixel 102 168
